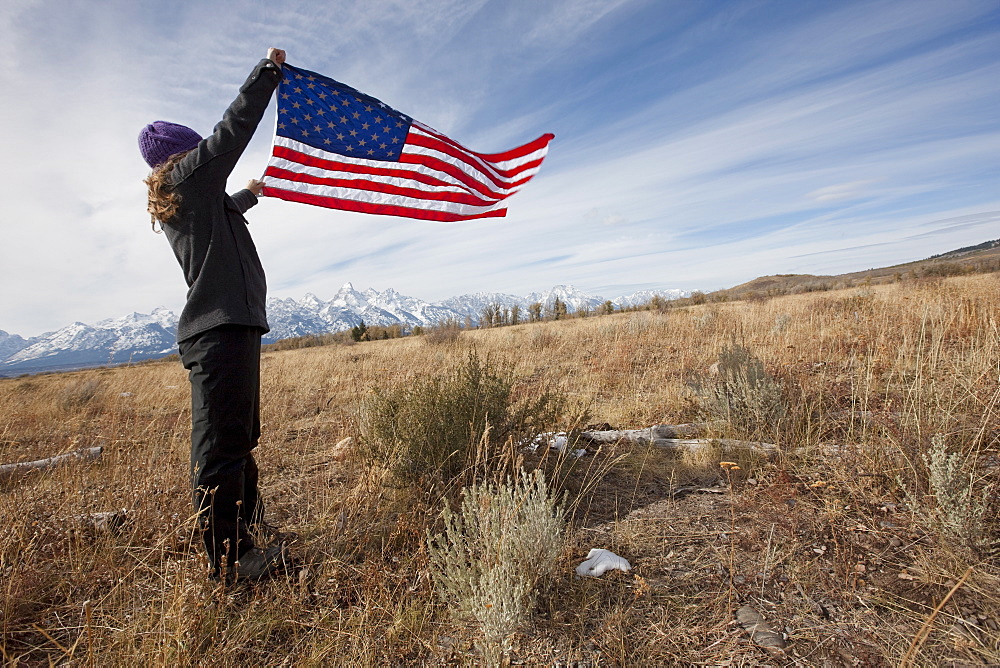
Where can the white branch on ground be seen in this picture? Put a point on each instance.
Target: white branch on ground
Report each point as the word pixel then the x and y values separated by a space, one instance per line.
pixel 12 470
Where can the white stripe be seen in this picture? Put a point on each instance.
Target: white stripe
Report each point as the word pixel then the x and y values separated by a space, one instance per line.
pixel 502 193
pixel 356 195
pixel 500 164
pixel 487 166
pixel 538 154
pixel 378 164
pixel 363 179
pixel 466 168
pixel 484 167
pixel 401 182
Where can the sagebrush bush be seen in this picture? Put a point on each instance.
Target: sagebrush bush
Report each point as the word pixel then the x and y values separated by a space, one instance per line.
pixel 437 425
pixel 745 395
pixel 488 563
pixel 958 511
pixel 79 393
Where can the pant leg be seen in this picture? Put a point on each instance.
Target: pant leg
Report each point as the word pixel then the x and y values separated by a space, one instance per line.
pixel 253 506
pixel 224 370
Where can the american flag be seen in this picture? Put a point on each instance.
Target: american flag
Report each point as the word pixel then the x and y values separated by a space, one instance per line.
pixel 339 148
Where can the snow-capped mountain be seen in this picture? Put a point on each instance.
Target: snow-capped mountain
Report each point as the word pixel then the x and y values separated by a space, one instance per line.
pixel 645 296
pixel 10 344
pixel 295 317
pixel 131 337
pixel 472 305
pixel 567 294
pixel 311 315
pixel 141 336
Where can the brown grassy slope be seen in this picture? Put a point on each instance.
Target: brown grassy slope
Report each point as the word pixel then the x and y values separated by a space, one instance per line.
pixel 983 258
pixel 825 543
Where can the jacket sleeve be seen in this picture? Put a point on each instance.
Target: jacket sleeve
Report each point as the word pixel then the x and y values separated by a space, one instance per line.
pixel 244 199
pixel 216 155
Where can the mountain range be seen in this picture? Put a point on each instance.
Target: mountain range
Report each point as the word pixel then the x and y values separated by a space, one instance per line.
pixel 141 336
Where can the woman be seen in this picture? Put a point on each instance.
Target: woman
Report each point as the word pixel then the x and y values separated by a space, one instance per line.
pixel 222 322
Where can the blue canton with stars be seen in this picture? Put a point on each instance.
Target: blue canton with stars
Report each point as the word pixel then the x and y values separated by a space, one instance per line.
pixel 328 115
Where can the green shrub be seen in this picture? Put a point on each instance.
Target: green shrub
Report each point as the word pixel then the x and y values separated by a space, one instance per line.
pixel 745 395
pixel 438 426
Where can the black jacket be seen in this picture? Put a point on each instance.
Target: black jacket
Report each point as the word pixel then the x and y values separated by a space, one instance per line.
pixel 209 234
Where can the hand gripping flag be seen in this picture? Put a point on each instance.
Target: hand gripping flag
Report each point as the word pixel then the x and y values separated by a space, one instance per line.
pixel 342 149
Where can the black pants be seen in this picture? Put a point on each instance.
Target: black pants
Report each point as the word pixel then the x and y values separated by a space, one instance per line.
pixel 224 369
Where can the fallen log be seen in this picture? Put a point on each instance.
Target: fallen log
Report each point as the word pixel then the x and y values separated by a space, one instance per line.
pixel 647 435
pixel 676 436
pixel 727 445
pixel 8 471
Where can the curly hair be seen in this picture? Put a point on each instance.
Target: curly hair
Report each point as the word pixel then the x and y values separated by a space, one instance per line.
pixel 163 200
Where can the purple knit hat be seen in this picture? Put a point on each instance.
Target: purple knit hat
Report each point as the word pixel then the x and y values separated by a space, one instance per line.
pixel 159 140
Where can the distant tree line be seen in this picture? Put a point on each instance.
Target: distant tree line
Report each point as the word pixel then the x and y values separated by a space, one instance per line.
pixel 496 314
pixel 356 334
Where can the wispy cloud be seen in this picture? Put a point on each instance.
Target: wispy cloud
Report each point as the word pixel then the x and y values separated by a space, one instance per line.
pixel 697 145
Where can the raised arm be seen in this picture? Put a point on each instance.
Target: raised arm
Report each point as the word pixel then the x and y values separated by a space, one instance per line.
pixel 216 156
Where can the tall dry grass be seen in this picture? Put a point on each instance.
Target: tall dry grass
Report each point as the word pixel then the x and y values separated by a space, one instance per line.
pixel 837 542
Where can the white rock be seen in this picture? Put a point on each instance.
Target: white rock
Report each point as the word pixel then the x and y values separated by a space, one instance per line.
pixel 557 441
pixel 600 561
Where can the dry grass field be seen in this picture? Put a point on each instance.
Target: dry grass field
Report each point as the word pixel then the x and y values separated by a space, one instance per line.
pixel 871 540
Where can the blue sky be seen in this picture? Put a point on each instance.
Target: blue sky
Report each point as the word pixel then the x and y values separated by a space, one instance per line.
pixel 698 144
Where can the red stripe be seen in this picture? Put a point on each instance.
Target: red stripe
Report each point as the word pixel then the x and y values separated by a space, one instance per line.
pixel 414 139
pixel 375 186
pixel 456 173
pixel 354 168
pixel 383 209
pixel 461 154
pixel 513 153
pixel 431 162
